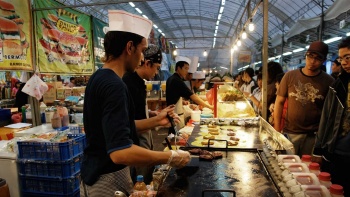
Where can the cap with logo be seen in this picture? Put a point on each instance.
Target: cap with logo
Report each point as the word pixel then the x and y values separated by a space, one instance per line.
pixel 320 48
pixel 198 75
pixel 123 21
pixel 153 53
pixel 182 58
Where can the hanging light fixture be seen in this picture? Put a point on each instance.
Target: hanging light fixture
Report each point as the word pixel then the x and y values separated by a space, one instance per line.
pixel 251 25
pixel 232 50
pixel 175 52
pixel 239 43
pixel 205 53
pixel 235 48
pixel 244 34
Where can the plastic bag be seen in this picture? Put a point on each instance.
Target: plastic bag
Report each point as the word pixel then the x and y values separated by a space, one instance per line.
pixel 35 87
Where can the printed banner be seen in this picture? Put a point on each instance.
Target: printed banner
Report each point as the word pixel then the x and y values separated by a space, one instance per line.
pixel 244 56
pixel 16 34
pixel 63 40
pixel 100 29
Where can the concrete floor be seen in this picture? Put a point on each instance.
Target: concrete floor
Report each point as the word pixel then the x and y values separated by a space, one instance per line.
pixel 158 138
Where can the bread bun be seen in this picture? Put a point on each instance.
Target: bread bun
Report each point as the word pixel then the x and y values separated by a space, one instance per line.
pixel 53 35
pixel 9 29
pixel 12 47
pixel 69 42
pixel 81 40
pixel 53 18
pixel 6 9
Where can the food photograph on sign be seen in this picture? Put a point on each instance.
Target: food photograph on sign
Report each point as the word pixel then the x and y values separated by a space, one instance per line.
pixel 64 39
pixel 13 42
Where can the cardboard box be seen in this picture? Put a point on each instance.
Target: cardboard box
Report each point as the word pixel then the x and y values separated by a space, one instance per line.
pixel 51 95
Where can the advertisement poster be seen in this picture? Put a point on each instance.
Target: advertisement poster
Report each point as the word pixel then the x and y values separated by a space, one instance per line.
pixel 15 35
pixel 63 39
pixel 100 29
pixel 244 56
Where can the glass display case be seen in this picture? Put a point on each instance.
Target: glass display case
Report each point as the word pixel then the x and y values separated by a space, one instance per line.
pixel 230 102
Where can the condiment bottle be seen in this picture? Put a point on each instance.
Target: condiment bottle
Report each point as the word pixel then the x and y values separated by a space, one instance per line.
pixel 56 120
pixel 314 168
pixel 306 159
pixel 325 179
pixel 336 190
pixel 140 185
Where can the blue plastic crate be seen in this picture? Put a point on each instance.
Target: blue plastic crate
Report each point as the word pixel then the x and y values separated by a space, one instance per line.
pixel 49 151
pixel 50 186
pixel 37 194
pixel 72 129
pixel 50 169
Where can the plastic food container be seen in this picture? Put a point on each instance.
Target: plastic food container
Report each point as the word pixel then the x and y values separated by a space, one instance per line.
pixel 288 158
pixel 316 190
pixel 306 178
pixel 296 167
pixel 196 115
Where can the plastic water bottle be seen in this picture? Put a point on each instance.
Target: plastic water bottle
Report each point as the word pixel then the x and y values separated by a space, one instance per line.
pixel 336 190
pixel 140 185
pixel 325 179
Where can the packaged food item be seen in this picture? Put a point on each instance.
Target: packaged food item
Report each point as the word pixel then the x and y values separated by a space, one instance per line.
pixel 288 158
pixel 315 190
pixel 306 178
pixel 296 167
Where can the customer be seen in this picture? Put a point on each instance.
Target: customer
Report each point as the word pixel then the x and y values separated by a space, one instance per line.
pixel 71 82
pixel 176 89
pixel 336 67
pixel 249 84
pixel 109 114
pixel 135 81
pixel 306 89
pixel 255 96
pixel 273 70
pixel 332 147
pixel 21 98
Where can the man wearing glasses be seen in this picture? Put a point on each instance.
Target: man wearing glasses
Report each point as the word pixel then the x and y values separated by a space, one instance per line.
pixel 332 147
pixel 306 89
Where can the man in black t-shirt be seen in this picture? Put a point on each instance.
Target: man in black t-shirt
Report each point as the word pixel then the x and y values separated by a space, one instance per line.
pixel 109 114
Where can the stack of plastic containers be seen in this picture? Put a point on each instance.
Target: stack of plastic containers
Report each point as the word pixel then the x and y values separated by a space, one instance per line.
pixel 51 168
pixel 297 177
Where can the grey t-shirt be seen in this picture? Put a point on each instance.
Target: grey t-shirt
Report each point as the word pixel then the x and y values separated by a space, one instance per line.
pixel 306 95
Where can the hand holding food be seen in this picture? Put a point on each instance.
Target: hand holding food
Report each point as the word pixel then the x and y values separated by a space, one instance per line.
pixel 179 158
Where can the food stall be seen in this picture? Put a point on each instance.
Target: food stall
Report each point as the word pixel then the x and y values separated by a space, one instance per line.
pixel 241 165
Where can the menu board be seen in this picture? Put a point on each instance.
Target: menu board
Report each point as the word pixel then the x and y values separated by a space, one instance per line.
pixel 15 35
pixel 63 39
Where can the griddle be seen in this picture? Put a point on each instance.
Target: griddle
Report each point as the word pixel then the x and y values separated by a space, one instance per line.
pixel 242 172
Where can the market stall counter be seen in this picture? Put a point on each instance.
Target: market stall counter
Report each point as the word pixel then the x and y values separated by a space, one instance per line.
pixel 237 168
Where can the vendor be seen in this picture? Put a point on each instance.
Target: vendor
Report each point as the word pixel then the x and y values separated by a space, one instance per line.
pixel 112 143
pixel 197 80
pixel 176 89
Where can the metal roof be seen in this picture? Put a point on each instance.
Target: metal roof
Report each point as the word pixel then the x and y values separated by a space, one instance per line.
pixel 190 24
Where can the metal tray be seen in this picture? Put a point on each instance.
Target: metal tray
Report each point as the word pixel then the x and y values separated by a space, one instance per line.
pixel 242 172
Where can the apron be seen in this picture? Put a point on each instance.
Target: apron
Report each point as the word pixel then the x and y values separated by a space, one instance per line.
pixel 180 111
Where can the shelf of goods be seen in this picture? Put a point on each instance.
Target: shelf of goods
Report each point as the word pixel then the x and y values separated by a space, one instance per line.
pixel 51 168
pixel 230 102
pixel 239 168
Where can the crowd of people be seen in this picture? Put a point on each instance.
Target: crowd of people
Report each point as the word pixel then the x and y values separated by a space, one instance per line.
pixel 310 107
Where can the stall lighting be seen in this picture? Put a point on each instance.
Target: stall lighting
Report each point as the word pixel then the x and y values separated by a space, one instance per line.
pixel 219 16
pixel 205 53
pixel 251 25
pixel 232 50
pixel 348 34
pixel 215 34
pixel 306 47
pixel 287 53
pixel 210 71
pixel 222 2
pixel 198 64
pixel 271 58
pixel 163 34
pixel 235 48
pixel 204 71
pixel 278 56
pixel 332 40
pixel 155 26
pixel 239 43
pixel 221 9
pixel 131 4
pixel 216 71
pixel 138 10
pixel 223 67
pixel 244 34
pixel 214 44
pixel 144 16
pixel 160 31
pixel 216 27
pixel 175 46
pixel 216 31
pixel 298 50
pixel 175 52
pixel 217 22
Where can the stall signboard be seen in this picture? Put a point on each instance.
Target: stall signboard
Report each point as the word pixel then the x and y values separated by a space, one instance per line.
pixel 15 35
pixel 100 29
pixel 244 56
pixel 63 39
